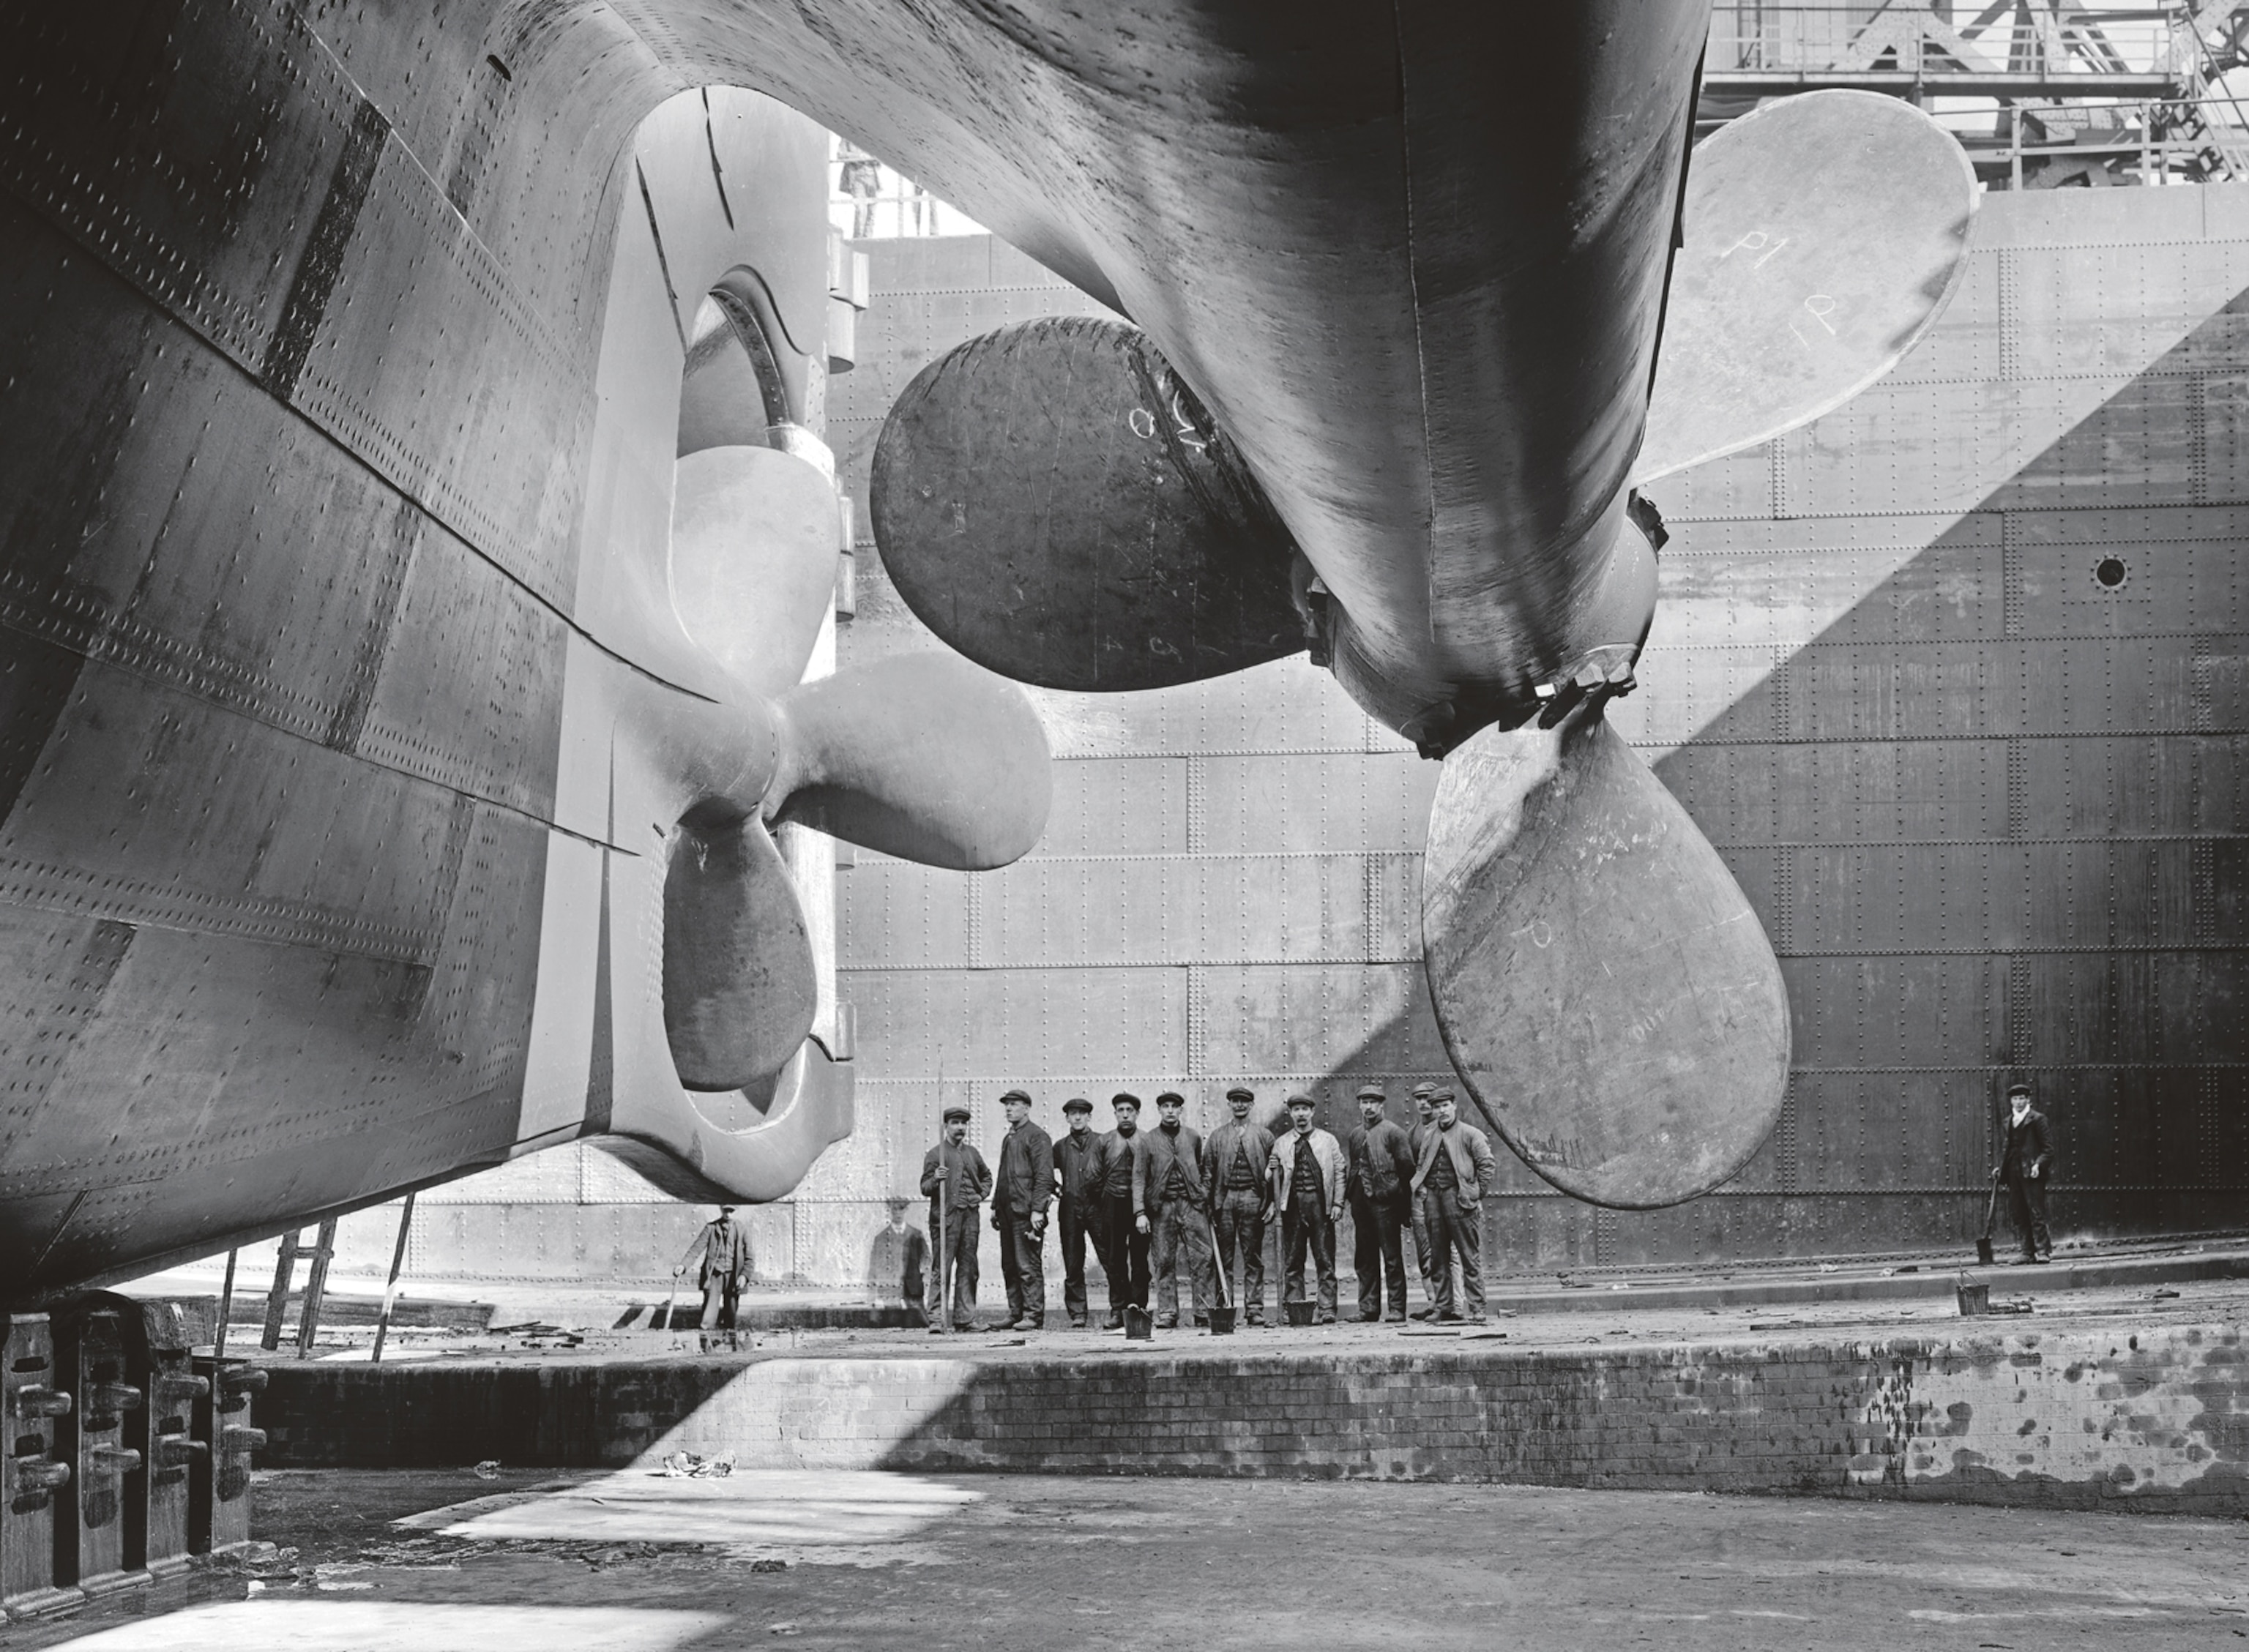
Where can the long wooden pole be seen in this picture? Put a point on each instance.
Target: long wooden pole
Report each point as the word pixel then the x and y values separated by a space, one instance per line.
pixel 390 1289
pixel 316 1289
pixel 941 1317
pixel 277 1300
pixel 225 1308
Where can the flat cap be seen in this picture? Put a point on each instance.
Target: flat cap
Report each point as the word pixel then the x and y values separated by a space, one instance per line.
pixel 1171 1097
pixel 1125 1099
pixel 1241 1093
pixel 1302 1101
pixel 956 1115
pixel 1373 1092
pixel 1426 1091
pixel 2014 1090
pixel 1077 1104
pixel 1023 1096
pixel 1444 1093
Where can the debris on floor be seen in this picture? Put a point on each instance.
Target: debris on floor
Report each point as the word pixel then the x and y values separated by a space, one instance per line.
pixel 687 1465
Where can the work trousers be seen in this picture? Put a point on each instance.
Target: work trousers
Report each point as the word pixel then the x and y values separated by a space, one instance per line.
pixel 2026 1202
pixel 1180 1226
pixel 1241 1233
pixel 1378 1252
pixel 1306 1230
pixel 722 1300
pixel 1074 1229
pixel 1424 1258
pixel 1127 1261
pixel 1452 1230
pixel 958 1251
pixel 1023 1266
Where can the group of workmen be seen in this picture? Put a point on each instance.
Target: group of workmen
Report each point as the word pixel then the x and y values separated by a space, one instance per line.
pixel 1153 1203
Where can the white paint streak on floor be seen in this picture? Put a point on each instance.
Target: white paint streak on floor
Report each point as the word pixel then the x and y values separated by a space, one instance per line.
pixel 403 1626
pixel 767 1511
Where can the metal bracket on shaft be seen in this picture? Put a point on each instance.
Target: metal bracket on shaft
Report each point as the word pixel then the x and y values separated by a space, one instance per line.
pixel 1605 673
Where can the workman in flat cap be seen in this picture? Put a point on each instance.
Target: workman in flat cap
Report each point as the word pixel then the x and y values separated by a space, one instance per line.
pixel 1236 1158
pixel 1381 1191
pixel 723 1247
pixel 2023 1165
pixel 958 1169
pixel 1126 1259
pixel 1077 1169
pixel 1309 1176
pixel 1169 1197
pixel 1425 1110
pixel 1455 1170
pixel 1024 1188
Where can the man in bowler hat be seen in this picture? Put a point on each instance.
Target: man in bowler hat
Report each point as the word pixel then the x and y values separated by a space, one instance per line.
pixel 2025 1163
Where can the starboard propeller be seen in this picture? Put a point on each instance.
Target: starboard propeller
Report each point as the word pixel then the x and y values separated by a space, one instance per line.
pixel 921 756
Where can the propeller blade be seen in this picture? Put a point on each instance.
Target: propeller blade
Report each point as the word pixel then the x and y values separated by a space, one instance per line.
pixel 754 533
pixel 1825 233
pixel 740 990
pixel 922 755
pixel 1053 502
pixel 1602 985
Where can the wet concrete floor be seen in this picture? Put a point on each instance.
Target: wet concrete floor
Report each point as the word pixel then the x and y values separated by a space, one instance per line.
pixel 370 1560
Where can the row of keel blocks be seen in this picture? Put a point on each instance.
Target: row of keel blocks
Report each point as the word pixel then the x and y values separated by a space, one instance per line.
pixel 126 1454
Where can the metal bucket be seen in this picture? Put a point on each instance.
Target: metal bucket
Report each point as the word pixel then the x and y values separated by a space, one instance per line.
pixel 1299 1312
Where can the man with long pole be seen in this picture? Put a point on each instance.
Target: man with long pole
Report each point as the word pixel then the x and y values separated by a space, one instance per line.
pixel 958 1182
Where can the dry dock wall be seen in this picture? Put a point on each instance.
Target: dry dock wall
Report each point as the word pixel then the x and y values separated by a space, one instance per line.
pixel 2154 1421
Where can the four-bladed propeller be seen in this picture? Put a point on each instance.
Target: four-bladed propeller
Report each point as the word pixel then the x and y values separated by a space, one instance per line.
pixel 1053 504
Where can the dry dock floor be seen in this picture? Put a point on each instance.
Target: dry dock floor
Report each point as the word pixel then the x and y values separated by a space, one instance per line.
pixel 993 1562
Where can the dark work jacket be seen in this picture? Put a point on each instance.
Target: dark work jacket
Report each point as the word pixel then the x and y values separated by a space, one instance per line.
pixel 1381 1162
pixel 971 1184
pixel 1218 1155
pixel 2027 1147
pixel 1151 1169
pixel 1027 1171
pixel 1077 1160
pixel 1117 1150
pixel 725 1253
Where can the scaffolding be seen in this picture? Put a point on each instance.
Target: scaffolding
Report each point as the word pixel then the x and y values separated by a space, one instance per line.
pixel 2042 93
